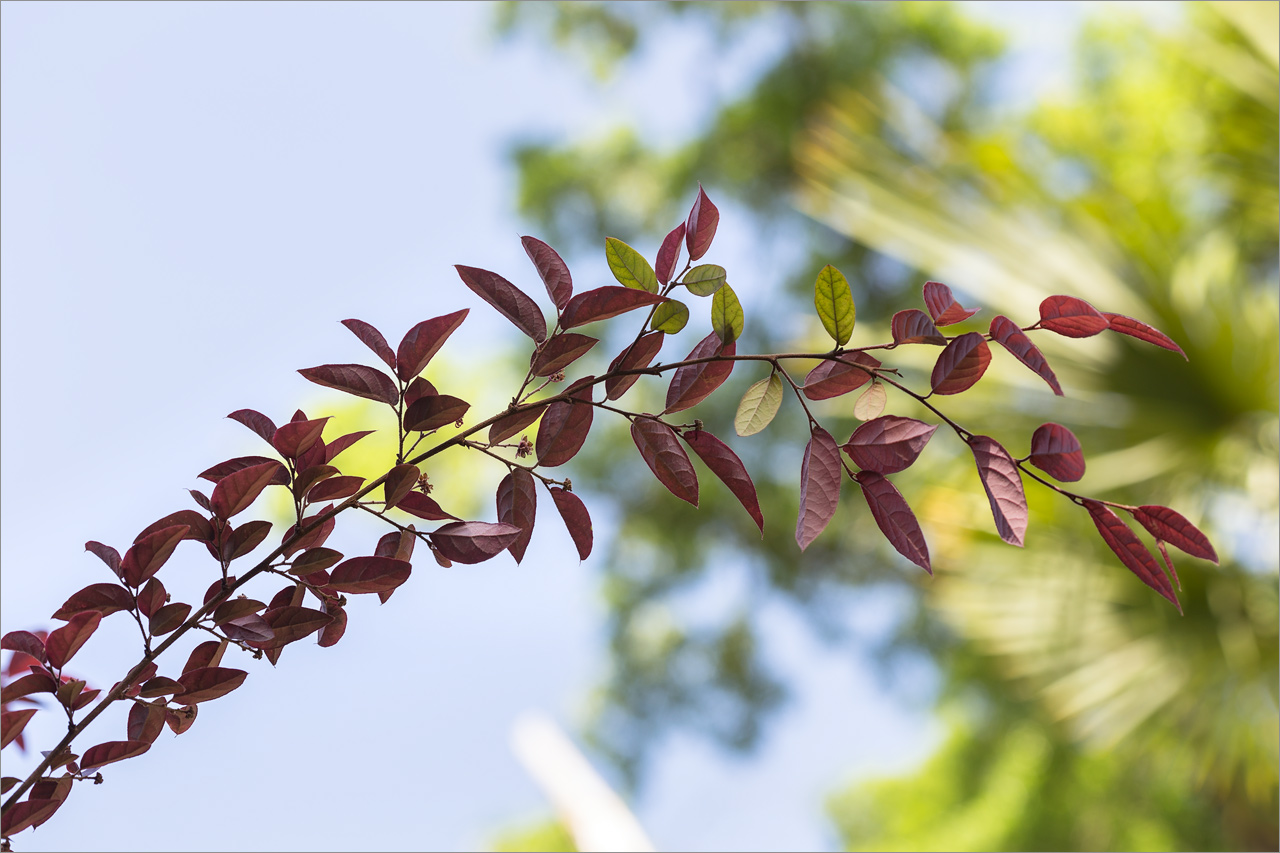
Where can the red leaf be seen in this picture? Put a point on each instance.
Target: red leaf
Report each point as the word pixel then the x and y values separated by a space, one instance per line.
pixel 894 518
pixel 726 465
pixel 149 553
pixel 1137 329
pixel 1129 548
pixel 335 488
pixel 146 721
pixel 1071 317
pixel 256 421
pixel 295 438
pixel 913 326
pixel 666 458
pixel 574 513
pixel 332 633
pixel 106 554
pixel 434 412
pixel 169 618
pixel 36 682
pixel 182 719
pixel 1056 451
pixel 159 686
pixel 701 225
pixel 418 504
pixel 399 481
pixel 294 543
pixel 201 499
pixel 369 574
pixel 290 623
pixel 693 383
pixel 355 379
pixel 510 301
pixel 961 364
pixel 888 444
pixel 517 504
pixel 26 814
pixel 563 431
pixel 1006 332
pixel 234 608
pixel 669 254
pixel 208 653
pixel 106 598
pixel 218 472
pixel 210 682
pixel 1168 563
pixel 341 443
pixel 373 339
pixel 605 302
pixel 942 305
pixel 561 351
pixel 501 430
pixel 551 268
pixel 108 753
pixel 250 628
pixel 235 492
pixel 639 355
pixel 29 644
pixel 1003 483
pixel 473 541
pixel 819 486
pixel 398 544
pixel 838 376
pixel 12 723
pixel 424 340
pixel 1169 526
pixel 67 640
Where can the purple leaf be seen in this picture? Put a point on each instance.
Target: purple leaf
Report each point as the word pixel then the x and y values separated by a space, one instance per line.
pixel 819 486
pixel 256 421
pixel 1003 483
pixel 398 482
pixel 576 519
pixel 235 492
pixel 888 444
pixel 1140 330
pixel 509 425
pixel 669 254
pixel 913 326
pixel 354 379
pixel 222 469
pixel 419 505
pixel 665 457
pixel 295 438
pixel 561 351
pixel 894 518
pixel 700 228
pixel 1071 317
pixel 961 364
pixel 726 465
pixel 424 340
pixel 563 431
pixel 149 553
pixel 434 412
pixel 1168 526
pixel 637 356
pixel 517 504
pixel 942 305
pixel 473 541
pixel 67 640
pixel 605 302
pixel 510 301
pixel 373 339
pixel 838 376
pixel 551 269
pixel 369 574
pixel 341 443
pixel 693 383
pixel 1126 545
pixel 1006 332
pixel 1056 451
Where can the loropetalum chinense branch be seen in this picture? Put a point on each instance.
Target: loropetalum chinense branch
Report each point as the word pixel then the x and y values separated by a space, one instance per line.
pixel 881 446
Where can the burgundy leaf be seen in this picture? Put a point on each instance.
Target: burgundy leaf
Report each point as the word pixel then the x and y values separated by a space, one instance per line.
pixel 961 364
pixel 942 305
pixel 913 326
pixel 605 302
pixel 701 225
pixel 418 389
pixel 151 597
pixel 669 254
pixel 509 425
pixel 819 486
pixel 637 356
pixel 398 544
pixel 1168 526
pixel 235 492
pixel 29 644
pixel 434 412
pixel 168 618
pixel 291 623
pixel 894 518
pixel 424 340
pixel 293 543
pixel 67 640
pixel 182 719
pixel 1137 329
pixel 222 469
pixel 373 339
pixel 551 268
pixel 561 351
pixel 160 686
pixel 418 504
pixel 837 376
pixel 563 431
pixel 1003 483
pixel 1129 548
pixel 146 721
pixel 1168 563
pixel 666 458
pixel 149 553
pixel 335 488
pixel 342 443
pixel 106 598
pixel 234 608
pixel 726 465
pixel 332 633
pixel 202 499
pixel 888 444
pixel 517 503
pixel 1056 451
pixel 256 421
pixel 310 561
pixel 355 379
pixel 105 553
pixel 245 538
pixel 1006 332
pixel 574 513
pixel 200 527
pixel 693 383
pixel 473 541
pixel 369 574
pixel 398 482
pixel 210 682
pixel 36 682
pixel 250 628
pixel 295 438
pixel 208 653
pixel 12 723
pixel 26 814
pixel 510 301
pixel 1071 317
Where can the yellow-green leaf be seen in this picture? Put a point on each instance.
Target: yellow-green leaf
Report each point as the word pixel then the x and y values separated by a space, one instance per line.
pixel 834 301
pixel 758 405
pixel 670 317
pixel 726 315
pixel 629 266
pixel 704 279
pixel 871 403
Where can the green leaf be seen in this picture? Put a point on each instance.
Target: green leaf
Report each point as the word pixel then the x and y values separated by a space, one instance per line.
pixel 758 405
pixel 670 317
pixel 726 315
pixel 629 266
pixel 834 301
pixel 704 279
pixel 871 403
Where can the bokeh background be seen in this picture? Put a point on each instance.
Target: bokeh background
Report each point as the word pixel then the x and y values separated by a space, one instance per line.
pixel 194 194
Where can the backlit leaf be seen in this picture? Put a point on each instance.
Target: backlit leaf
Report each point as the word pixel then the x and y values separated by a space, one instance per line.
pixel 669 254
pixel 235 492
pixel 332 633
pixel 665 457
pixel 222 469
pixel 1071 317
pixel 146 722
pixel 837 376
pixel 200 528
pixel 894 518
pixel 247 537
pixel 256 421
pixel 63 643
pixel 942 305
pixel 27 814
pixel 12 723
pixel 913 326
pixel 888 444
pixel 628 266
pixel 420 505
pixel 551 268
pixel 819 486
pixel 373 339
pixel 603 303
pixel 693 383
pixel 369 574
pixel 1126 545
pixel 1006 332
pixel 561 351
pixel 501 430
pixel 105 553
pixel 700 227
pixel 1003 484
pixel 289 623
pixel 335 488
pixel 576 519
pixel 961 364
pixel 726 465
pixel 870 403
pixel 234 608
pixel 295 438
pixel 106 598
pixel 149 553
pixel 473 541
pixel 670 317
pixel 308 562
pixel 704 279
pixel 510 301
pixel 354 379
pixel 35 682
pixel 434 412
pixel 758 406
pixel 1169 526
pixel 562 432
pixel 33 646
pixel 108 753
pixel 834 301
pixel 399 481
pixel 726 315
pixel 210 682
pixel 168 618
pixel 250 628
pixel 333 448
pixel 633 358
pixel 517 504
pixel 1056 451
pixel 153 688
pixel 1137 329
pixel 423 341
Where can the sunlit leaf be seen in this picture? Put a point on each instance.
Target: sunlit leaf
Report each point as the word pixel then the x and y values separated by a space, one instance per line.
pixel 634 357
pixel 561 351
pixel 726 315
pixel 693 383
pixel 700 227
pixel 913 326
pixel 1071 317
pixel 961 364
pixel 819 486
pixel 1137 329
pixel 1056 451
pixel 603 303
pixel 669 254
pixel 551 268
pixel 870 403
pixel 628 266
pixel 1006 332
pixel 888 444
pixel 355 379
pixel 1126 545
pixel 837 376
pixel 423 341
pixel 670 317
pixel 373 339
pixel 942 305
pixel 1170 526
pixel 510 301
pixel 704 279
pixel 834 301
pixel 1003 484
pixel 758 406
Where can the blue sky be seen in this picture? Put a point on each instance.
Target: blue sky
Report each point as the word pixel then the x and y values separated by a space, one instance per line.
pixel 193 195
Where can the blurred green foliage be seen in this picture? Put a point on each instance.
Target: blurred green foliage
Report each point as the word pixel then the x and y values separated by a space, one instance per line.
pixel 1086 713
